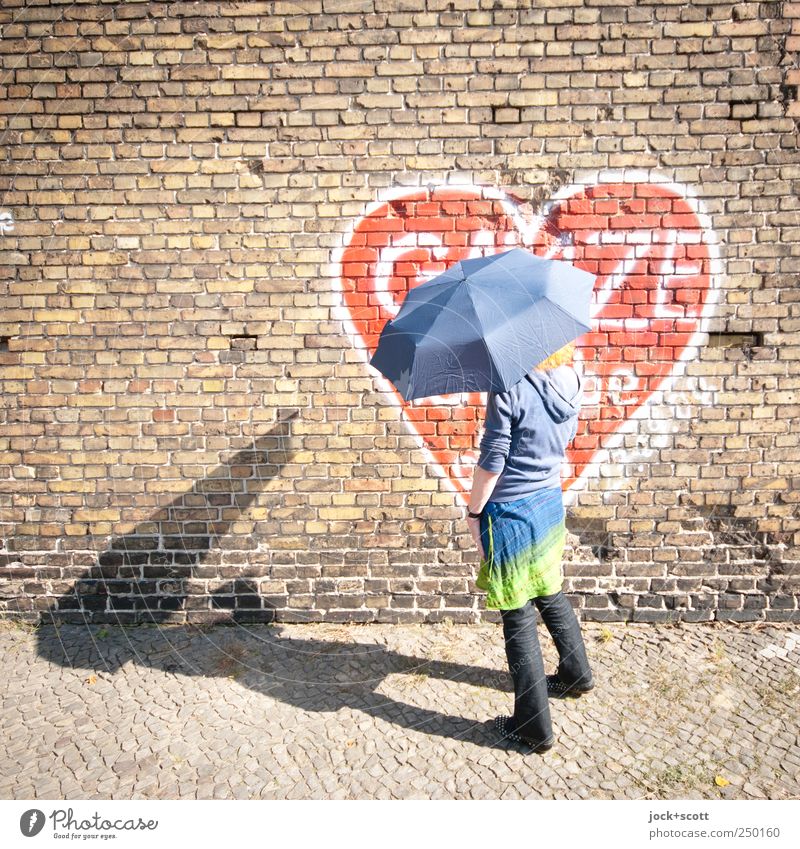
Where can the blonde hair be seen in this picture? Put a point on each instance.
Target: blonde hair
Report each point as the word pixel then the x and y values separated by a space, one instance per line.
pixel 560 357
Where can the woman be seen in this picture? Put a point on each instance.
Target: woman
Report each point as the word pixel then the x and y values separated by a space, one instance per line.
pixel 520 534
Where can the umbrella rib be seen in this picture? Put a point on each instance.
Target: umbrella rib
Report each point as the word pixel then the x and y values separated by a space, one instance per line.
pixel 444 306
pixel 568 315
pixel 482 334
pixel 419 304
pixel 553 305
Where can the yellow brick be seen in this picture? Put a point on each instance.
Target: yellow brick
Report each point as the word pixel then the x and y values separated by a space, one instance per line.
pixel 12 373
pixel 105 258
pixel 111 515
pixel 413 485
pixel 33 302
pixel 43 458
pixel 213 386
pixel 191 458
pixel 533 97
pixel 70 486
pixel 148 458
pixel 216 286
pixel 56 315
pixel 224 42
pixel 91 401
pixel 341 513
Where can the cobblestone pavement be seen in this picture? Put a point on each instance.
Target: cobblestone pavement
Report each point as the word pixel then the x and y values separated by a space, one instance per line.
pixel 386 711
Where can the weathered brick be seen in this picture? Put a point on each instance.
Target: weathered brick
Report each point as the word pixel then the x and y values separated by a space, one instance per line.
pixel 161 316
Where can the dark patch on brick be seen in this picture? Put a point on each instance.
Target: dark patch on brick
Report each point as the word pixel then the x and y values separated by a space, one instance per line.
pixel 592 533
pixel 244 340
pixel 726 339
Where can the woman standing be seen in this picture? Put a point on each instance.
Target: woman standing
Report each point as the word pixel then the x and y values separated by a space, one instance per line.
pixel 520 534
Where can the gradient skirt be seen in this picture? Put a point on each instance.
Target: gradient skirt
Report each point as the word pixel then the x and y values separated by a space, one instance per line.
pixel 524 542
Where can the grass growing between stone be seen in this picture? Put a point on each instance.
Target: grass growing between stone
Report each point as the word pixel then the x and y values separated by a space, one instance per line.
pixel 229 663
pixel 774 693
pixel 678 779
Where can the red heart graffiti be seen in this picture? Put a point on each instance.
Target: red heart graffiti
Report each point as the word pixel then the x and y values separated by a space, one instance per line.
pixel 648 244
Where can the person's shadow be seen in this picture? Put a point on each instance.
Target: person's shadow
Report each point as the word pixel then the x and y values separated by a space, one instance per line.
pixel 155 575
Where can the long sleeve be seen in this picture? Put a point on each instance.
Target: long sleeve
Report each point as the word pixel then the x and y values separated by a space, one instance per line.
pixel 496 441
pixel 573 430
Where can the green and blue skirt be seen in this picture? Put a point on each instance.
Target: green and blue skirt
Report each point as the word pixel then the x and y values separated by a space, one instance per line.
pixel 523 542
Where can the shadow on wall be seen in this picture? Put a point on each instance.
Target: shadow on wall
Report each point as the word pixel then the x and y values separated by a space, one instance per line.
pixel 156 572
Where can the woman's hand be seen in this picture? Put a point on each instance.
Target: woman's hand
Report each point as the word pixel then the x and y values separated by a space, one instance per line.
pixel 474 526
pixel 483 484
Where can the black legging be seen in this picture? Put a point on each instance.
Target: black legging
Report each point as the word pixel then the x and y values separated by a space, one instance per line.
pixel 525 663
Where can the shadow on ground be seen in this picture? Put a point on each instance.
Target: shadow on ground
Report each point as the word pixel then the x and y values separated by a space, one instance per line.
pixel 310 674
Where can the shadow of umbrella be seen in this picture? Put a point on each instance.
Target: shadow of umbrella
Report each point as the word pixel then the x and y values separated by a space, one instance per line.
pixel 143 577
pixel 311 674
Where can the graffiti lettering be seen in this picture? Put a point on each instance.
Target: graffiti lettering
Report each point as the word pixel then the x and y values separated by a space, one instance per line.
pixel 6 222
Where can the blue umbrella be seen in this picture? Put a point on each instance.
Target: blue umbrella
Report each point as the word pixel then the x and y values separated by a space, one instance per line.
pixel 483 324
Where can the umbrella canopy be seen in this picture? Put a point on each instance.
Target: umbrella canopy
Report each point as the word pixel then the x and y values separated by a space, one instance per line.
pixel 483 323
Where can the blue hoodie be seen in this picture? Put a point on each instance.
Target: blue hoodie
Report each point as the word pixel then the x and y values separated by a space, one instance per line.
pixel 527 429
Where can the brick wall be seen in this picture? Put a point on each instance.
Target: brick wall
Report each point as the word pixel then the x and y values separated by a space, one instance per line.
pixel 209 210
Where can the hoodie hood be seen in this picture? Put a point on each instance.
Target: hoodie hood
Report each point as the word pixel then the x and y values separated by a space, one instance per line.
pixel 560 389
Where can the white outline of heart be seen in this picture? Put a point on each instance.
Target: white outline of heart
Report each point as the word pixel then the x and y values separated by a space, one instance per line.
pixel 341 312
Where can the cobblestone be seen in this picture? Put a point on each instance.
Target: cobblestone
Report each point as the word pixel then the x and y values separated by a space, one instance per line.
pixel 392 712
